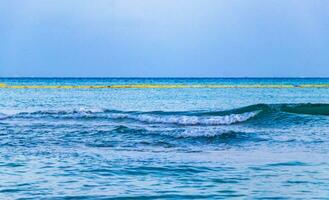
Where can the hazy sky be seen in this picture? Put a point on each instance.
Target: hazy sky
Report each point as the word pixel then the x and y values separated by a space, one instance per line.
pixel 164 38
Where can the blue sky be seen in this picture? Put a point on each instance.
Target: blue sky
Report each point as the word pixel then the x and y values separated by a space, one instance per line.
pixel 221 38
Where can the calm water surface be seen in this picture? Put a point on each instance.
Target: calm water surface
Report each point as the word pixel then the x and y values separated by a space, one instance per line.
pixel 202 143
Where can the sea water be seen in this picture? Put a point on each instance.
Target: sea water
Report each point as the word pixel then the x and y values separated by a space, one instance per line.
pixel 164 143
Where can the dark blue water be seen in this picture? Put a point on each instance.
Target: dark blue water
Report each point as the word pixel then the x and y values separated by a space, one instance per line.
pixel 151 143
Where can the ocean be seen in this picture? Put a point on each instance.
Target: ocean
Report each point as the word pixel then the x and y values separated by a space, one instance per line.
pixel 164 138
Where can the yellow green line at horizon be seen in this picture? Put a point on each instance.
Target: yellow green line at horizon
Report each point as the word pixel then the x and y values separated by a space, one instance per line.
pixel 160 86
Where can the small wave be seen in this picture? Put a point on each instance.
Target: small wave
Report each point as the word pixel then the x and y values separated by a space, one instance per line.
pixel 68 111
pixel 3 116
pixel 202 133
pixel 60 112
pixel 224 134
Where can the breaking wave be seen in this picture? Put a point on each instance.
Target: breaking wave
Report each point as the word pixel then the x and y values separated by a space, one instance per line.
pixel 189 120
pixel 225 117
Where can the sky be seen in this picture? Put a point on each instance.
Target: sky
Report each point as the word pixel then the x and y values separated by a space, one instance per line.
pixel 164 38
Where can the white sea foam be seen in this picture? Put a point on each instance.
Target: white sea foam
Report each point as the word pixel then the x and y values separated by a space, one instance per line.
pixel 189 120
pixel 196 132
pixel 144 117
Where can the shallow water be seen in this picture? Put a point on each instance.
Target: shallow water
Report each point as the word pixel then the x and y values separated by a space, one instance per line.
pixel 150 143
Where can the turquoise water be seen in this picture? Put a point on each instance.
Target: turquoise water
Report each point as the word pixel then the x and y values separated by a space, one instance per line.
pixel 182 143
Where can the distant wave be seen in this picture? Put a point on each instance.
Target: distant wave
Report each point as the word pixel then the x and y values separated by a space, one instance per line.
pixel 52 113
pixel 68 111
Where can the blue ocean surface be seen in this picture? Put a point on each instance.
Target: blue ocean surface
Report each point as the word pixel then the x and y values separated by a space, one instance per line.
pixel 164 143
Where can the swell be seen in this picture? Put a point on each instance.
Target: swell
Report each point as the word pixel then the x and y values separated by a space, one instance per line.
pixel 298 108
pixel 225 117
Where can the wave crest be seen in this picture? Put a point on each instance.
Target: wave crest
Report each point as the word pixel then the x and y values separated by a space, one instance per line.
pixel 189 120
pixel 225 117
